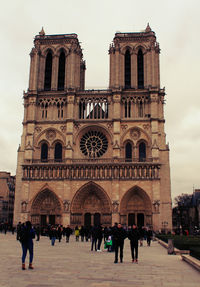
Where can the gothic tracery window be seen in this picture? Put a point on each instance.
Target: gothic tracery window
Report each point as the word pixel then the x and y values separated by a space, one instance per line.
pixel 44 108
pixel 142 151
pixel 128 152
pixel 58 152
pixel 44 152
pixel 60 109
pixel 93 144
pixel 48 72
pixel 140 69
pixel 61 71
pixel 140 109
pixel 127 64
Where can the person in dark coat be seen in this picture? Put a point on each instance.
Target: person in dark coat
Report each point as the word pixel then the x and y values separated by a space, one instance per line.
pixel 82 233
pixel 119 234
pixel 99 237
pixel 53 235
pixel 94 238
pixel 68 232
pixel 59 232
pixel 149 236
pixel 134 236
pixel 37 231
pixel 26 238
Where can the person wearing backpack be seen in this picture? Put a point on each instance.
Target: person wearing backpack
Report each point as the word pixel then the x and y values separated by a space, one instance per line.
pixel 26 238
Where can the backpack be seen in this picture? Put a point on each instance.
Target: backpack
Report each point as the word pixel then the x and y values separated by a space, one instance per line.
pixel 24 235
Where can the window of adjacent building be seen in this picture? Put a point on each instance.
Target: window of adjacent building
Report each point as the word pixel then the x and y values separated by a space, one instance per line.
pixel 127 65
pixel 61 71
pixel 58 152
pixel 128 152
pixel 44 152
pixel 142 151
pixel 48 72
pixel 140 66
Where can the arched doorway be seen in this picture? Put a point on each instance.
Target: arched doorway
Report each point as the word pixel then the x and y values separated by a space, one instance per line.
pixel 136 208
pixel 91 206
pixel 87 219
pixel 46 208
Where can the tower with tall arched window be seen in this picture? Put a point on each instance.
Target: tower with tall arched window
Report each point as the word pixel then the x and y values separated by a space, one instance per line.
pixel 94 156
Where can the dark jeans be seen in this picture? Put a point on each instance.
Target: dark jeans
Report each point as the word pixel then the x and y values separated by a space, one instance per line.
pixel 94 243
pixel 134 249
pixel 99 243
pixel 148 241
pixel 119 245
pixel 28 247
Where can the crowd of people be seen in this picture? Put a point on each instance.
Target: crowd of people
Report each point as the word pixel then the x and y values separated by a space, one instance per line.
pixel 112 238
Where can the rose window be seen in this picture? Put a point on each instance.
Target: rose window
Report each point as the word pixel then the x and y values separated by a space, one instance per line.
pixel 94 144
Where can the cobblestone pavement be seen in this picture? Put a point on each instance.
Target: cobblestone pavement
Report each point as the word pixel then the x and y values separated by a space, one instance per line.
pixel 73 264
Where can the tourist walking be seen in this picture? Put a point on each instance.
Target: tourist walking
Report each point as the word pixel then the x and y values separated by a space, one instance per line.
pixel 94 238
pixel 149 236
pixel 59 232
pixel 82 233
pixel 77 233
pixel 53 235
pixel 99 237
pixel 133 236
pixel 26 238
pixel 119 234
pixel 38 231
pixel 68 232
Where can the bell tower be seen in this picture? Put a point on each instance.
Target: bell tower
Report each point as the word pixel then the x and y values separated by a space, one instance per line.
pixel 56 63
pixel 134 60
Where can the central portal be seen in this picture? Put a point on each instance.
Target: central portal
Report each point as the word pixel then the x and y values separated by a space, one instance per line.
pixel 91 206
pixel 136 208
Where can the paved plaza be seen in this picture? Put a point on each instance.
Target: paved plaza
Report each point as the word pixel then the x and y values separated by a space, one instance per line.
pixel 75 265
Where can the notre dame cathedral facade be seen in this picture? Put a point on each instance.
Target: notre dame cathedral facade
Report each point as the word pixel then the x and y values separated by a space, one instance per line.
pixel 94 156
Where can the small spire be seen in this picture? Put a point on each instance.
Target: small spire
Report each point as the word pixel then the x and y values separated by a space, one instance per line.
pixel 148 28
pixel 42 33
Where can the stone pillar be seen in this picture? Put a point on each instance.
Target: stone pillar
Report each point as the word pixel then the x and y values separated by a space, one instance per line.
pixel 112 67
pixel 32 68
pixel 117 67
pixel 41 72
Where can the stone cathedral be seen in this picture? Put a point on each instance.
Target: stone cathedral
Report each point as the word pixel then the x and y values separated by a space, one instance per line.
pixel 94 156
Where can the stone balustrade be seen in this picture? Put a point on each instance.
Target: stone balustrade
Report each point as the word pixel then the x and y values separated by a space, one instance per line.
pixel 120 171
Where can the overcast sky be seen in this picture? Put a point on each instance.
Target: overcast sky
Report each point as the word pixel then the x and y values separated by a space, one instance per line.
pixel 176 24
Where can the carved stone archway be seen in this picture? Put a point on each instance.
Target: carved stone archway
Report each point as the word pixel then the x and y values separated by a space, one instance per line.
pixel 46 208
pixel 136 208
pixel 91 200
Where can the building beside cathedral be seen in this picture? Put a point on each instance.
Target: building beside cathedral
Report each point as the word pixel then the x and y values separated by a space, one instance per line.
pixel 94 156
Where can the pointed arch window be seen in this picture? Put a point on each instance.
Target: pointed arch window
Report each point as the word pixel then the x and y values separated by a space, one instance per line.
pixel 142 152
pixel 141 109
pixel 128 152
pixel 140 69
pixel 44 152
pixel 61 72
pixel 58 152
pixel 127 65
pixel 48 72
